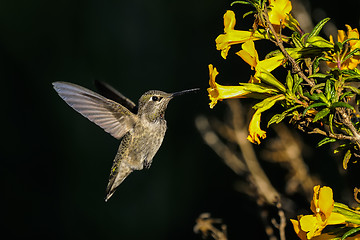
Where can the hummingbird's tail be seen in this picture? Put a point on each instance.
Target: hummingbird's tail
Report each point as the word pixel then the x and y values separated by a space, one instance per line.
pixel 118 174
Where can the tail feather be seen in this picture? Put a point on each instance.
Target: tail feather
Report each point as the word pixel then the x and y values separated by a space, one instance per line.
pixel 118 174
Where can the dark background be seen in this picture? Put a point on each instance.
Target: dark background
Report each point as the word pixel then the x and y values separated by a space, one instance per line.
pixel 55 163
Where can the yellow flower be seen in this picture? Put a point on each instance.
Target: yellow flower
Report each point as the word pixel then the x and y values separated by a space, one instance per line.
pixel 250 55
pixel 279 10
pixel 218 92
pixel 337 59
pixel 322 206
pixel 262 68
pixel 255 132
pixel 232 36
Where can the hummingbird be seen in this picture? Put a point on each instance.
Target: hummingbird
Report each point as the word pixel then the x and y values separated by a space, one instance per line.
pixel 141 128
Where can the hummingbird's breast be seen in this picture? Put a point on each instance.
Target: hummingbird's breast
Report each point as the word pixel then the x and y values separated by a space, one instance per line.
pixel 147 139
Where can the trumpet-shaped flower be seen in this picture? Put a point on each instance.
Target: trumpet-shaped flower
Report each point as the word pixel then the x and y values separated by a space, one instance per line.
pixel 337 59
pixel 279 11
pixel 218 92
pixel 250 55
pixel 262 68
pixel 255 132
pixel 322 205
pixel 232 36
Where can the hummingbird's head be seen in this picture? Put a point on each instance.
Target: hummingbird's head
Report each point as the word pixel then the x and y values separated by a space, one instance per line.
pixel 153 103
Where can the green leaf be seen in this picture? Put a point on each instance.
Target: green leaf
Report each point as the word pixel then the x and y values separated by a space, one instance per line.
pixel 297 81
pixel 325 141
pixel 317 86
pixel 273 54
pixel 313 97
pixel 354 89
pixel 338 47
pixel 239 2
pixel 267 103
pixel 259 88
pixel 345 94
pixel 295 53
pixel 328 90
pixel 319 75
pixel 352 216
pixel 350 54
pixel 277 118
pixel 324 99
pixel 318 27
pixel 291 23
pixel 321 114
pixel 248 13
pixel 350 72
pixel 296 40
pixel 289 82
pixel 350 39
pixel 317 41
pixel 350 232
pixel 304 37
pixel 314 106
pixel 268 78
pixel 316 63
pixel 331 119
pixel 346 159
pixel 300 90
pixel 342 104
pixel 356 77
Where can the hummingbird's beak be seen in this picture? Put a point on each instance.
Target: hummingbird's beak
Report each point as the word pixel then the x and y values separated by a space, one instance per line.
pixel 184 92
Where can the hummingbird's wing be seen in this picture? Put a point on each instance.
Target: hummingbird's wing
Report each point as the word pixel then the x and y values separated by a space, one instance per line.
pixel 109 115
pixel 108 91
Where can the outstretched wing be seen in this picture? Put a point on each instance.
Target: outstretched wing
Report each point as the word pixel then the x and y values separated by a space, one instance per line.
pixel 109 92
pixel 109 115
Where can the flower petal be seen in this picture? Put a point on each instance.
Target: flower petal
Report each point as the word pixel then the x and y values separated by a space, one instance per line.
pixel 218 92
pixel 336 218
pixel 231 36
pixel 309 224
pixel 279 9
pixel 270 64
pixel 301 234
pixel 229 21
pixel 249 53
pixel 326 201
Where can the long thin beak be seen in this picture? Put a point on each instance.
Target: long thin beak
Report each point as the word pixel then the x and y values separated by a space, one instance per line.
pixel 184 92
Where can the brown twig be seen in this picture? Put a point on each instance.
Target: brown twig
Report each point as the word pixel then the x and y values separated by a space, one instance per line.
pixel 205 226
pixel 282 224
pixel 330 134
pixel 260 180
pixel 347 122
pixel 221 149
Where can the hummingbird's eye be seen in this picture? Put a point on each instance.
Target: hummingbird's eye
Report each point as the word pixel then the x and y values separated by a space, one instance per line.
pixel 155 98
